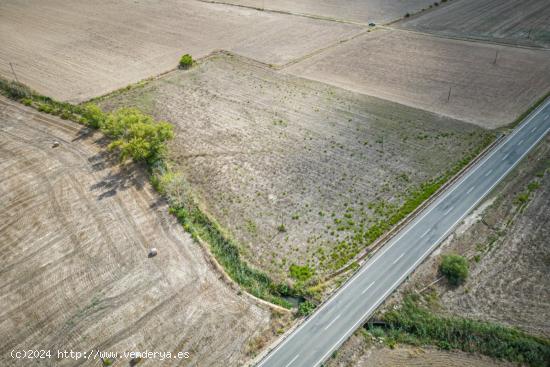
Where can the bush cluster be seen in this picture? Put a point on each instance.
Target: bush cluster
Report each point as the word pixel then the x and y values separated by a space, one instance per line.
pixel 455 268
pixel 301 273
pixel 186 61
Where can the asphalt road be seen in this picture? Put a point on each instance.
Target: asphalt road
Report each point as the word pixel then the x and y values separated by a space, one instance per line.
pixel 320 335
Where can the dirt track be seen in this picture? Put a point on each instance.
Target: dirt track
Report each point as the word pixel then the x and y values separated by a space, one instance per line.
pixel 78 50
pixel 418 70
pixel 75 274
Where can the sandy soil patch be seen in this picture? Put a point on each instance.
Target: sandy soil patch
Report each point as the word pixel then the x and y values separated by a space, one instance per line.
pixel 525 22
pixel 419 70
pixel 364 11
pixel 75 274
pixel 358 352
pixel 78 50
pixel 265 150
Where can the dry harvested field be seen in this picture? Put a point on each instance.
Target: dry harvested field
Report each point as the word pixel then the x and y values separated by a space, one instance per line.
pixel 74 237
pixel 363 11
pixel 418 70
pixel 358 352
pixel 81 49
pixel 295 169
pixel 518 22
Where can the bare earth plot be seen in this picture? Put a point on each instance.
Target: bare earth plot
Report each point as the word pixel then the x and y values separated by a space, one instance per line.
pixel 294 168
pixel 74 237
pixel 519 22
pixel 359 352
pixel 418 70
pixel 82 49
pixel 364 11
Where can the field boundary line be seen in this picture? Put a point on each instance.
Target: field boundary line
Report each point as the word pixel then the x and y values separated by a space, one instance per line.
pixel 465 39
pixel 286 12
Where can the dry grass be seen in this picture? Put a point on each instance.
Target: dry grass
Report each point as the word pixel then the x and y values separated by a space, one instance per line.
pixel 523 22
pixel 364 11
pixel 84 49
pixel 418 70
pixel 264 149
pixel 75 274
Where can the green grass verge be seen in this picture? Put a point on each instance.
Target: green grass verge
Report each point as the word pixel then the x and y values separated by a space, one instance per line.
pixel 416 325
pixel 521 117
pixel 226 251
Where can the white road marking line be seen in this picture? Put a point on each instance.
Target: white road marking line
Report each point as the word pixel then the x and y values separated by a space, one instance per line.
pixel 546 118
pixel 533 129
pixel 332 322
pixel 521 141
pixel 448 210
pixel 399 258
pixel 293 359
pixel 425 233
pixel 366 289
pixel 424 255
pixel 470 190
pixel 393 241
pixel 488 172
pixel 506 156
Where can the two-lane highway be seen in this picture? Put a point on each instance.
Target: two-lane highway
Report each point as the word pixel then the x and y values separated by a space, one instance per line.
pixel 320 335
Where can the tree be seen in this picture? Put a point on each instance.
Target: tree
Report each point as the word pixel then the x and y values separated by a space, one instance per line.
pixel 455 268
pixel 186 61
pixel 136 135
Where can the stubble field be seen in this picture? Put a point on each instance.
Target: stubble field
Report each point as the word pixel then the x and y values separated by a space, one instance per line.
pixel 79 50
pixel 363 11
pixel 296 170
pixel 419 71
pixel 75 274
pixel 525 22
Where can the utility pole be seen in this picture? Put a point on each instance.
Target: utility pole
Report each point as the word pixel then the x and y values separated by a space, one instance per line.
pixel 496 57
pixel 449 96
pixel 13 71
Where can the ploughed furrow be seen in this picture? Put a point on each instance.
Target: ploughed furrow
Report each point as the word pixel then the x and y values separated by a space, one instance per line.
pixel 75 229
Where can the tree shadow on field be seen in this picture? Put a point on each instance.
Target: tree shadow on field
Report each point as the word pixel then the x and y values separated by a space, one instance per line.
pixel 118 176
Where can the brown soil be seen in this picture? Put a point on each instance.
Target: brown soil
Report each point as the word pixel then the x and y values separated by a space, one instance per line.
pixel 75 274
pixel 419 70
pixel 82 49
pixel 364 11
pixel 264 149
pixel 525 22
pixel 359 352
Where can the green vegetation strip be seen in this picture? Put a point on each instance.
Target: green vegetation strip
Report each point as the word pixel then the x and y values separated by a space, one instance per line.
pixel 139 137
pixel 391 215
pixel 416 325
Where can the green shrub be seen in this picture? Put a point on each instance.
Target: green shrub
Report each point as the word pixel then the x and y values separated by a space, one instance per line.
pixel 136 135
pixel 15 90
pixel 93 115
pixel 301 273
pixel 305 308
pixel 455 268
pixel 186 61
